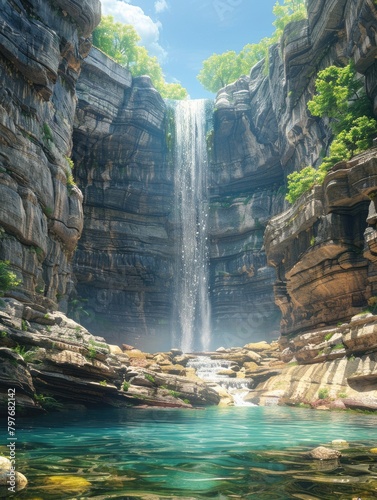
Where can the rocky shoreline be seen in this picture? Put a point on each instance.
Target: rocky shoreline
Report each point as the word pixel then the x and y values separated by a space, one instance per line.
pixel 54 363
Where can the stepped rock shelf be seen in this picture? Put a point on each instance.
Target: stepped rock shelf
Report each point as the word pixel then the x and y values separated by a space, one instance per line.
pixel 55 363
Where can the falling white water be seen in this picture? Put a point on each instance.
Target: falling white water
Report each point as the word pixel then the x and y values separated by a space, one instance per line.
pixel 210 371
pixel 191 171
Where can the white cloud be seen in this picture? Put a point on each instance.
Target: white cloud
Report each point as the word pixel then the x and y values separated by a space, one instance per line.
pixel 148 30
pixel 160 6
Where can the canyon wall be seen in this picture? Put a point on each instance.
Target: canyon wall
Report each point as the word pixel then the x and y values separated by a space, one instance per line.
pixel 320 247
pixel 42 45
pixel 60 104
pixel 124 262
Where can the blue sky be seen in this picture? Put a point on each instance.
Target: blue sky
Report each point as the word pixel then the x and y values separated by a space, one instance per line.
pixel 182 33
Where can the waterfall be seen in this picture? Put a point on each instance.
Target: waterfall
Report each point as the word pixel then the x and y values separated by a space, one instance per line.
pixel 192 310
pixel 210 370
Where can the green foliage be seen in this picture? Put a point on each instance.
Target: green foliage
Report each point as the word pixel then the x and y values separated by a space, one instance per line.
pixel 47 134
pixel 323 393
pixel 342 395
pixel 337 347
pixel 150 377
pixel 356 139
pixel 372 304
pixel 92 351
pixel 117 40
pixel 48 211
pixel 70 162
pixel 68 174
pixel 172 90
pixel 8 278
pixel 291 10
pixel 47 402
pixel 339 96
pixel 120 41
pixel 328 336
pixel 26 354
pixel 24 326
pixel 70 181
pixel 126 386
pixel 175 394
pixel 252 53
pixel 221 69
pixel 19 350
pixel 302 181
pixel 103 383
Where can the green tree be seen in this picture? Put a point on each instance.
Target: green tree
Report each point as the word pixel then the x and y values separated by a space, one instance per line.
pixel 219 70
pixel 120 41
pixel 145 64
pixel 302 181
pixel 291 10
pixel 8 278
pixel 172 91
pixel 117 40
pixel 340 95
pixel 253 53
pixel 349 143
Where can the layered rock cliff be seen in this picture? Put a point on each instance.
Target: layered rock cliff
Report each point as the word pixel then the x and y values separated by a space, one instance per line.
pixel 42 45
pixel 265 131
pixel 321 247
pixel 125 260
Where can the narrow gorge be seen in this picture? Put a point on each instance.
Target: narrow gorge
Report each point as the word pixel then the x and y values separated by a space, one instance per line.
pixel 166 283
pixel 111 195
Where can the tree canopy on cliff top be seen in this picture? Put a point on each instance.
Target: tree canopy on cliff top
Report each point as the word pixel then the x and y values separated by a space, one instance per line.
pixel 120 42
pixel 221 69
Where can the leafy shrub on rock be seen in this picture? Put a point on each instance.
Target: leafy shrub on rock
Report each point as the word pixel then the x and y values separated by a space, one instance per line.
pixel 341 97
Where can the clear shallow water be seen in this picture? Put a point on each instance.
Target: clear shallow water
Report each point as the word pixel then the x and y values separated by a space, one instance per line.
pixel 244 452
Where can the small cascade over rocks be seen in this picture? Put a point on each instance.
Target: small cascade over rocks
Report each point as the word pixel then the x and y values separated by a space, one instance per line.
pixel 222 372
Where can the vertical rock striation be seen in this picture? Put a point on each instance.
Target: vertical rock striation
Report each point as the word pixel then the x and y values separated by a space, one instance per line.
pixel 42 45
pixel 124 262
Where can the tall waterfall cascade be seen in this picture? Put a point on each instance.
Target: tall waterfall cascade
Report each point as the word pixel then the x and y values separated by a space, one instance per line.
pixel 192 307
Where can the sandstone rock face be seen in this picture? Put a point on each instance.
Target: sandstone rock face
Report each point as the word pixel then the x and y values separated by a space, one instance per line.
pixel 262 132
pixel 125 259
pixel 41 50
pixel 317 247
pixel 321 248
pixel 52 366
pixel 241 295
